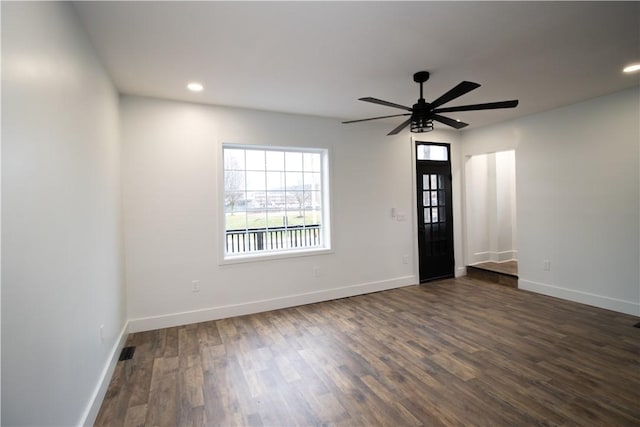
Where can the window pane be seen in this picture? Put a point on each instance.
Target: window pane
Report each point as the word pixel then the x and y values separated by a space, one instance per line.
pixel 294 181
pixel 425 199
pixel 255 160
pixel 233 159
pixel 295 218
pixel 425 182
pixel 256 181
pixel 432 152
pixel 441 213
pixel 313 217
pixel 293 162
pixel 235 220
pixel 234 201
pixel 420 154
pixel 276 218
pixel 276 200
pixel 434 198
pixel 434 182
pixel 312 162
pixel 440 182
pixel 257 219
pixel 427 215
pixel 438 152
pixel 233 180
pixel 441 197
pixel 434 214
pixel 275 160
pixel 312 199
pixel 296 200
pixel 275 180
pixel 312 181
pixel 256 200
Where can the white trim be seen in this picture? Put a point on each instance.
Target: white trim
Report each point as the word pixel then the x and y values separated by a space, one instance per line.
pixel 414 208
pixel 269 256
pixel 601 301
pixel 461 271
pixel 225 311
pixel 504 256
pixel 479 257
pixel 88 418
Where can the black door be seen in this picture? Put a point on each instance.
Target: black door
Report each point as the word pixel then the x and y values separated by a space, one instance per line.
pixel 435 213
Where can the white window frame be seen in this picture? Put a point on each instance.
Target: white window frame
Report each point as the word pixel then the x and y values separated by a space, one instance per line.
pixel 325 229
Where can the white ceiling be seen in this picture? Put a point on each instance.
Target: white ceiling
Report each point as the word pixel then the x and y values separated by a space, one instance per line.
pixel 318 57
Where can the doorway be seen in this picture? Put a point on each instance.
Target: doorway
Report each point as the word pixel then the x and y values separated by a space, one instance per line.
pixel 490 188
pixel 435 211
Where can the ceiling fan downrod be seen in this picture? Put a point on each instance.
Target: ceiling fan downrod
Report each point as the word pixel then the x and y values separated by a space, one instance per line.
pixel 421 77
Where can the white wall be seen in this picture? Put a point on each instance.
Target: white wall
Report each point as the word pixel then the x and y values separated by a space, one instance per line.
pixel 477 195
pixel 578 198
pixel 61 226
pixel 172 232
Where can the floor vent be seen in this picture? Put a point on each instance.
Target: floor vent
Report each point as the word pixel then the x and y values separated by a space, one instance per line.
pixel 637 325
pixel 127 353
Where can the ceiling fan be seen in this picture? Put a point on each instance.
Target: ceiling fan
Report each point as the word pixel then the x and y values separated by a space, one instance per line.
pixel 423 113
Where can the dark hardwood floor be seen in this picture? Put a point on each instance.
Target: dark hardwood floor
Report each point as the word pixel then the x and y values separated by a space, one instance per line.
pixel 453 352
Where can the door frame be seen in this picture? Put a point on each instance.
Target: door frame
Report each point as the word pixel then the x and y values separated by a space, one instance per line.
pixel 456 200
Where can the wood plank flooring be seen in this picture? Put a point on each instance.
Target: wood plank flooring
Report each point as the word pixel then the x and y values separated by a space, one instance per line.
pixel 454 352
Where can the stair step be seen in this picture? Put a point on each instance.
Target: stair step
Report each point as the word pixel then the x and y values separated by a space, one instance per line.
pixel 500 278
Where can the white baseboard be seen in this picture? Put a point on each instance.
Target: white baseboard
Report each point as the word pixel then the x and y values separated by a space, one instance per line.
pixel 506 256
pixel 461 271
pixel 91 412
pixel 614 304
pixel 222 312
pixel 480 257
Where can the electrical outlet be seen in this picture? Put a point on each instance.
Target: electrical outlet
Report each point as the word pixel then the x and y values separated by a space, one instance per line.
pixel 195 286
pixel 546 265
pixel 316 271
pixel 405 259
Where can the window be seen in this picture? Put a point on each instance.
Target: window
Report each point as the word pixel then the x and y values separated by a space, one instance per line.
pixel 432 152
pixel 275 200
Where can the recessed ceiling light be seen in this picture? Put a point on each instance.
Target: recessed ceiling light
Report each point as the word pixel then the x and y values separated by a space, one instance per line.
pixel 632 68
pixel 195 87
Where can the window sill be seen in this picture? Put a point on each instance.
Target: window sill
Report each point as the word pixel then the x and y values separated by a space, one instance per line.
pixel 245 258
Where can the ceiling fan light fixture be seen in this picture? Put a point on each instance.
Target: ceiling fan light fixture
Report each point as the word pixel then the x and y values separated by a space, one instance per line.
pixel 631 68
pixel 421 125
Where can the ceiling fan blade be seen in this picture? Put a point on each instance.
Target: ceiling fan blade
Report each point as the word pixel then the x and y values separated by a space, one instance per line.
pixel 455 92
pixel 376 118
pixel 449 122
pixel 399 128
pixel 387 103
pixel 488 106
